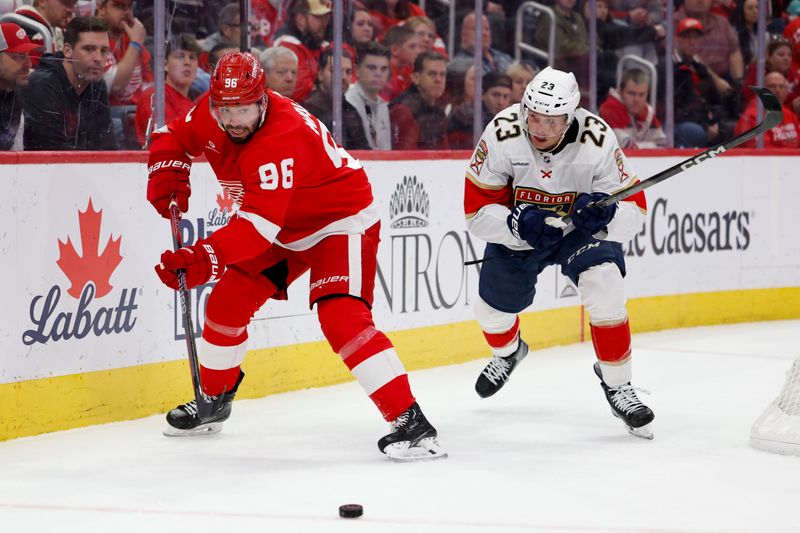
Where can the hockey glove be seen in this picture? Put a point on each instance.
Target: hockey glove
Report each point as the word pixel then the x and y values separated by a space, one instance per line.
pixel 201 262
pixel 529 223
pixel 592 219
pixel 168 178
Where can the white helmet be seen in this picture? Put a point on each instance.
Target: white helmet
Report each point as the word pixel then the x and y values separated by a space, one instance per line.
pixel 552 92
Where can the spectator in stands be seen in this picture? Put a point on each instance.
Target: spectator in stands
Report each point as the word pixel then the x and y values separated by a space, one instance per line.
pixel 496 96
pixel 428 40
pixel 633 120
pixel 744 20
pixel 280 66
pixel 128 70
pixel 180 68
pixel 418 120
pixel 697 102
pixel 493 59
pixel 361 30
pixel 388 13
pixel 719 48
pixel 784 135
pixel 521 75
pixel 15 67
pixel 266 16
pixel 372 73
pixel 320 102
pixel 459 109
pixel 54 15
pixel 66 101
pixel 638 31
pixel 778 59
pixel 217 52
pixel 572 40
pixel 638 13
pixel 403 50
pixel 615 38
pixel 304 34
pixel 229 32
pixel 792 30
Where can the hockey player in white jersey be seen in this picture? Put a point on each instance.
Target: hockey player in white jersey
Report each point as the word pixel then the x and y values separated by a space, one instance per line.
pixel 536 162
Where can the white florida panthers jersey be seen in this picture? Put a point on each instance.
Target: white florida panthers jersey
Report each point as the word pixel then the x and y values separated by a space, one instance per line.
pixel 506 170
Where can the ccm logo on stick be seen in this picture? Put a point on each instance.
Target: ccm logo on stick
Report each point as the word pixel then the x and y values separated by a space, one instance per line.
pixel 695 160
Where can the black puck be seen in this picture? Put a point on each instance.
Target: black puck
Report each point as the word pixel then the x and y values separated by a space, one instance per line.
pixel 350 510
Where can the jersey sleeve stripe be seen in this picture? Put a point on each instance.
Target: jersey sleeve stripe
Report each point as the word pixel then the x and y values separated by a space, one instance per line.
pixel 264 227
pixel 638 199
pixel 476 197
pixel 482 185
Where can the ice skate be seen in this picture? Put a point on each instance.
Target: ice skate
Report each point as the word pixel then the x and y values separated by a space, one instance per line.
pixel 626 406
pixel 412 438
pixel 499 369
pixel 184 420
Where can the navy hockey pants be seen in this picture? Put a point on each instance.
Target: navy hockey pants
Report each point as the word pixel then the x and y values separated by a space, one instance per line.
pixel 508 277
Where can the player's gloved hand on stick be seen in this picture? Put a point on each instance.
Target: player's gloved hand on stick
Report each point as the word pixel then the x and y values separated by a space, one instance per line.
pixel 168 178
pixel 201 262
pixel 529 224
pixel 592 219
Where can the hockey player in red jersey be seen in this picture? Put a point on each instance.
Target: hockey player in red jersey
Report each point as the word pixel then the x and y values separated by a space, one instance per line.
pixel 304 204
pixel 538 161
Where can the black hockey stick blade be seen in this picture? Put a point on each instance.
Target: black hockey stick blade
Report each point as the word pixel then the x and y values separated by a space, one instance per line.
pixel 206 405
pixel 773 115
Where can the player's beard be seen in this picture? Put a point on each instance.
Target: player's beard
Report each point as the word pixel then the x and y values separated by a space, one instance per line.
pixel 240 140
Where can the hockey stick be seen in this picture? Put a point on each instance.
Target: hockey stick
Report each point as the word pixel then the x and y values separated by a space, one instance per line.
pixel 206 405
pixel 773 115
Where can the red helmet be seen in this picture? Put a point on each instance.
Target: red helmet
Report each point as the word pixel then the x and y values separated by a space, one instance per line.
pixel 238 79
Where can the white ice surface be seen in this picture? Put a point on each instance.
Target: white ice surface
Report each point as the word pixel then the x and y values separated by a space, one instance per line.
pixel 544 454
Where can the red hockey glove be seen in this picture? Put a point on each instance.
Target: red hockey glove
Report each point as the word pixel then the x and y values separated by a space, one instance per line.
pixel 201 262
pixel 168 178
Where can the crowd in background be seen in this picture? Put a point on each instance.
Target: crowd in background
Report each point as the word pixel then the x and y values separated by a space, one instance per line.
pixel 80 75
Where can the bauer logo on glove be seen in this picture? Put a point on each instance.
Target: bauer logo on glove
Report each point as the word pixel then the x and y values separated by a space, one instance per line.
pixel 201 262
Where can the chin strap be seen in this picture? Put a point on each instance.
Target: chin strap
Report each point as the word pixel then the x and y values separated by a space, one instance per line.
pixel 264 105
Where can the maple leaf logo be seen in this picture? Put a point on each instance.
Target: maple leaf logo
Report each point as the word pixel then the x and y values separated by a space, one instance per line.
pixel 224 201
pixel 80 270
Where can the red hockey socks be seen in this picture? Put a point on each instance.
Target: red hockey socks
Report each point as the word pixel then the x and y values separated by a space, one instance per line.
pixel 367 352
pixel 505 342
pixel 612 345
pixel 215 382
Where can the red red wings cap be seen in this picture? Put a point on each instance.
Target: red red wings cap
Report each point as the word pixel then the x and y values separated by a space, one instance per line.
pixel 689 23
pixel 13 39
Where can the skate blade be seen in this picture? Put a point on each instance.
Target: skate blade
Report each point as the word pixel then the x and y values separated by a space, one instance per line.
pixel 643 432
pixel 427 449
pixel 205 429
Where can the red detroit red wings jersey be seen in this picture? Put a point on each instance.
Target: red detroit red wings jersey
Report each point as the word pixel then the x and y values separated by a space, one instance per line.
pixel 292 182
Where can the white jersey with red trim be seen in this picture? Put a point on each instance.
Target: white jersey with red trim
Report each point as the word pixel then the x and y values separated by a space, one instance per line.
pixel 506 170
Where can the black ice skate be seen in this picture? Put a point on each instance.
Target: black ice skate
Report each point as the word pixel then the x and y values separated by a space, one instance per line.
pixel 184 420
pixel 626 406
pixel 412 438
pixel 499 369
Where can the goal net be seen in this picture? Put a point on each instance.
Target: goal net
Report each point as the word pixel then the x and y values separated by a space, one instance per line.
pixel 777 430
